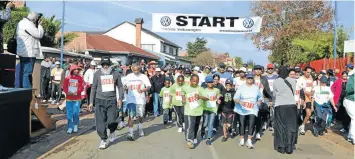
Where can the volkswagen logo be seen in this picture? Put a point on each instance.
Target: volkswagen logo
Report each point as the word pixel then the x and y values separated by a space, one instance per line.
pixel 248 23
pixel 165 21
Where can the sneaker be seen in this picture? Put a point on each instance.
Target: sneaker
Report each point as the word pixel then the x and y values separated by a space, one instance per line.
pixel 52 102
pixel 141 132
pixel 301 130
pixel 195 141
pixel 75 128
pixel 70 130
pixel 170 121
pixel 130 137
pixel 43 101
pixel 224 139
pixel 58 103
pixel 103 144
pixel 264 127
pixel 271 129
pixel 208 142
pixel 190 145
pixel 165 122
pixel 257 136
pixel 342 130
pixel 241 142
pixel 249 144
pixel 180 130
pixel 112 137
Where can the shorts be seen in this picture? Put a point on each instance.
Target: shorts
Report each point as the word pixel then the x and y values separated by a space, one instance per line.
pixel 124 107
pixel 308 105
pixel 135 110
pixel 227 118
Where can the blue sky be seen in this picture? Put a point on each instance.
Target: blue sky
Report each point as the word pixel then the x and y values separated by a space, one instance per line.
pixel 99 16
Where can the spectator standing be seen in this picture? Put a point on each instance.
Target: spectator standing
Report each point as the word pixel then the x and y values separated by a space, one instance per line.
pixel 89 77
pixel 57 76
pixel 45 77
pixel 349 102
pixel 157 82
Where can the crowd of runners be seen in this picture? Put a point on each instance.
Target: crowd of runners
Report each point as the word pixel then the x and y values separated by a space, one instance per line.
pixel 240 102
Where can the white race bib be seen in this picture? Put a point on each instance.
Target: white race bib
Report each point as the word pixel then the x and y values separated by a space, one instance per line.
pixel 166 96
pixel 193 101
pixel 178 94
pixel 58 76
pixel 211 103
pixel 73 86
pixel 107 83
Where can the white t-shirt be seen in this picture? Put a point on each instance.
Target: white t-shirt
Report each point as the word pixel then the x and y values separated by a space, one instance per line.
pixel 306 83
pixel 237 82
pixel 133 83
pixel 322 94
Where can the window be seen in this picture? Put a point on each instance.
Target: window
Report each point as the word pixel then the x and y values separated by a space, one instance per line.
pixel 171 50
pixel 149 47
pixel 164 49
pixel 176 52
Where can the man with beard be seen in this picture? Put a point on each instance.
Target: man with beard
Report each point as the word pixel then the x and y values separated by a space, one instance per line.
pixel 271 77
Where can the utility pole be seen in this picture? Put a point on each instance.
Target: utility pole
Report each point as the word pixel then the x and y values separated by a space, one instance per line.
pixel 62 36
pixel 335 34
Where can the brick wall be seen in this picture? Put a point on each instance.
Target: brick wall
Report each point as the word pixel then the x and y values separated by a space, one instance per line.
pixel 76 45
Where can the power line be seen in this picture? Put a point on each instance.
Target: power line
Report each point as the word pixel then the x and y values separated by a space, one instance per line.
pixel 130 7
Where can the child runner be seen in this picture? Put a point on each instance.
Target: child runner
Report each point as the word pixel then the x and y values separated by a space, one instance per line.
pixel 193 95
pixel 176 102
pixel 227 107
pixel 210 109
pixel 165 94
pixel 73 86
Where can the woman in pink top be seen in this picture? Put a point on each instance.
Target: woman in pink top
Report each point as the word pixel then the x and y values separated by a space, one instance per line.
pixel 338 89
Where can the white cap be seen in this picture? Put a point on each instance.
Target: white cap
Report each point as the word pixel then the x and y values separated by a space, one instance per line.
pixel 243 69
pixel 157 69
pixel 93 63
pixel 196 68
pixel 99 66
pixel 250 69
pixel 324 71
pixel 57 63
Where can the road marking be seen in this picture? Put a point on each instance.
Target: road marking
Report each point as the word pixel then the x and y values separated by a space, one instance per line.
pixel 213 152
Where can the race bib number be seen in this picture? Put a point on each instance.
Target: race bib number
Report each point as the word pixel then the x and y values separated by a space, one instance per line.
pixel 107 83
pixel 309 85
pixel 192 99
pixel 248 105
pixel 166 96
pixel 73 86
pixel 211 103
pixel 178 95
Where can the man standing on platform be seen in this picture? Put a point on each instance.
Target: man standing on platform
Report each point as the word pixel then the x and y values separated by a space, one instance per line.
pixel 29 32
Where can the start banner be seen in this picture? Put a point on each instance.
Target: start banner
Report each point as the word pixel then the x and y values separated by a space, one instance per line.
pixel 194 23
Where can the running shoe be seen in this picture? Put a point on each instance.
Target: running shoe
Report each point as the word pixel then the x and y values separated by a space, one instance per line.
pixel 208 142
pixel 264 126
pixel 249 144
pixel 103 144
pixel 70 130
pixel 241 142
pixel 141 132
pixel 75 128
pixel 170 121
pixel 301 130
pixel 342 130
pixel 271 129
pixel 257 136
pixel 190 144
pixel 224 139
pixel 130 137
pixel 112 137
pixel 180 130
pixel 195 141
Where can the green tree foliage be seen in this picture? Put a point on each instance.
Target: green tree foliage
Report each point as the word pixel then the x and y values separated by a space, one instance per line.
pixel 196 47
pixel 50 25
pixel 250 63
pixel 238 62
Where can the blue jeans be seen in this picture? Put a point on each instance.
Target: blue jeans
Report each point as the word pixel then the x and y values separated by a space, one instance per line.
pixel 26 70
pixel 156 103
pixel 73 109
pixel 208 120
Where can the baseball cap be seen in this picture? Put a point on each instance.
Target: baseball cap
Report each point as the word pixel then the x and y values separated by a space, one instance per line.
pixel 207 67
pixel 196 68
pixel 270 65
pixel 228 81
pixel 105 60
pixel 243 69
pixel 250 75
pixel 323 79
pixel 350 65
pixel 93 63
pixel 57 63
pixel 230 69
pixel 187 71
pixel 258 67
pixel 209 79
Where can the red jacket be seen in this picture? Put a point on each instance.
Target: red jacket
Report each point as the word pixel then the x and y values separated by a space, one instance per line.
pixel 336 88
pixel 75 83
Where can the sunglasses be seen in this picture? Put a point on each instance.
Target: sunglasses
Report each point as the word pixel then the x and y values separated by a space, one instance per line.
pixel 250 78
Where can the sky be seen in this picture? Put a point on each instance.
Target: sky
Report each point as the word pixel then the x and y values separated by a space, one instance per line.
pixel 103 15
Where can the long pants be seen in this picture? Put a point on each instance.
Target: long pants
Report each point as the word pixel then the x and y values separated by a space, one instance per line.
pixel 106 114
pixel 216 121
pixel 88 92
pixel 192 123
pixel 235 123
pixel 26 70
pixel 350 109
pixel 270 119
pixel 260 120
pixel 208 120
pixel 44 88
pixel 243 123
pixel 156 104
pixel 73 109
pixel 179 113
pixel 167 115
pixel 56 92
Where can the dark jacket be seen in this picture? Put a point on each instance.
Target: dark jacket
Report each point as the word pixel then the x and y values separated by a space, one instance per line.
pixel 227 102
pixel 157 83
pixel 266 91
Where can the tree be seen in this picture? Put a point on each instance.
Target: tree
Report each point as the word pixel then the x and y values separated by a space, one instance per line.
pixel 50 26
pixel 285 20
pixel 205 58
pixel 238 62
pixel 250 63
pixel 197 47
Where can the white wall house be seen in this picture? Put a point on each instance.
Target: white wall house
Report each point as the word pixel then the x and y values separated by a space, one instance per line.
pixel 127 32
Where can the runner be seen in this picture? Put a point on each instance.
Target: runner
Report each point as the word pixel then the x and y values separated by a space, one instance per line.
pixel 136 99
pixel 271 77
pixel 306 84
pixel 176 102
pixel 227 106
pixel 193 95
pixel 237 82
pixel 210 109
pixel 248 100
pixel 167 107
pixel 103 96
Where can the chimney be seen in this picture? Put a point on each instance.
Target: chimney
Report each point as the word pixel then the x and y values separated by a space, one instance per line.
pixel 139 23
